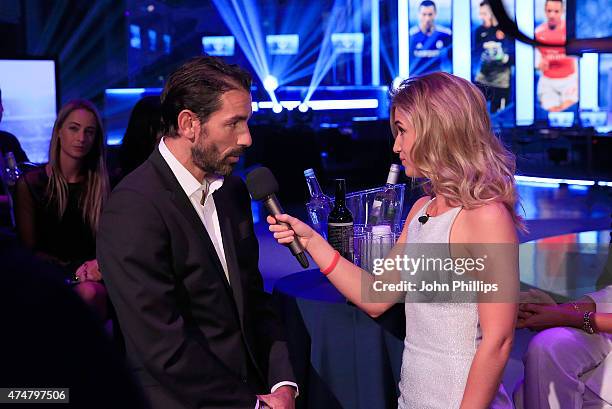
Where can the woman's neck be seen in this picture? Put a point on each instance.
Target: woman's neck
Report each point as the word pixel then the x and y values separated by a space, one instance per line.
pixel 438 206
pixel 70 167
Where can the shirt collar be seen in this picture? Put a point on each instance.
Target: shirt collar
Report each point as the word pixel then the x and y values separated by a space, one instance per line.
pixel 187 181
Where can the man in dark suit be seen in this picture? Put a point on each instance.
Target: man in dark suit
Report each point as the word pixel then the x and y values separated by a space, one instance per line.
pixel 179 256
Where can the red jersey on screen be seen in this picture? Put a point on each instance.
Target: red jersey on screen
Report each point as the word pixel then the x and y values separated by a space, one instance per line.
pixel 559 64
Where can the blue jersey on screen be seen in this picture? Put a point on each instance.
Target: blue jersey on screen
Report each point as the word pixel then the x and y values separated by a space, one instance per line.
pixel 427 51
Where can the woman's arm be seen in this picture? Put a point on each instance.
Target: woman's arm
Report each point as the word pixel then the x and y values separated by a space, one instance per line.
pixel 25 219
pixel 349 279
pixel 497 314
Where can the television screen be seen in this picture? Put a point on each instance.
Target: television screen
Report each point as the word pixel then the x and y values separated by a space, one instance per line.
pixel 594 119
pixel 30 104
pixel 135 41
pixel 556 72
pixel 283 44
pixel 493 58
pixel 430 36
pixel 593 19
pixel 222 46
pixel 561 119
pixel 152 40
pixel 167 40
pixel 347 42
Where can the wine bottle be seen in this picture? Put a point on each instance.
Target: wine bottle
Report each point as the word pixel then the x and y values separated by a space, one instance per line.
pixel 319 204
pixel 340 223
pixel 384 206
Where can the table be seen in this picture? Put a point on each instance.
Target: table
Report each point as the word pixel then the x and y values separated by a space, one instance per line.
pixel 342 358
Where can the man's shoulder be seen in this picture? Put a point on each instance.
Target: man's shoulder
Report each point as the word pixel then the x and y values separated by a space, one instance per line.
pixel 541 29
pixel 414 31
pixel 235 186
pixel 443 31
pixel 143 181
pixel 8 135
pixel 8 142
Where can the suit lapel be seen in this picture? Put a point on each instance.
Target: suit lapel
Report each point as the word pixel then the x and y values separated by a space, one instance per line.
pixel 182 202
pixel 221 197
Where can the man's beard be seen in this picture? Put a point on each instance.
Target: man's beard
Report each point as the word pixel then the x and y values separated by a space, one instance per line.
pixel 208 158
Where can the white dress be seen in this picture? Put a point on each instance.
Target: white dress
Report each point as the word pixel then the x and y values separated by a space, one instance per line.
pixel 441 338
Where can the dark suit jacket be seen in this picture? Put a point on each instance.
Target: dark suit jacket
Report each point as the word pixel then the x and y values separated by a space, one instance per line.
pixel 193 340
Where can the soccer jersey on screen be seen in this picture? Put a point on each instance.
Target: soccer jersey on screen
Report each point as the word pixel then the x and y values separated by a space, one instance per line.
pixel 559 64
pixel 428 50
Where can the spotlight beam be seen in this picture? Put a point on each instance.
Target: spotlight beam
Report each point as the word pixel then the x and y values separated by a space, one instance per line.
pixel 50 27
pixel 327 56
pixel 85 25
pixel 246 30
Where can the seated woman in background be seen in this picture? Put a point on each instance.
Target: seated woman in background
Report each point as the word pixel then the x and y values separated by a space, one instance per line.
pixel 58 204
pixel 141 136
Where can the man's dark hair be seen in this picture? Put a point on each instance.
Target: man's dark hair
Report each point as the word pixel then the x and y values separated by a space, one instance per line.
pixel 484 3
pixel 428 3
pixel 198 85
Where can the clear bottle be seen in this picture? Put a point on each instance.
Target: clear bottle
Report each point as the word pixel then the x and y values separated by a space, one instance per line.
pixel 386 203
pixel 340 224
pixel 319 204
pixel 12 171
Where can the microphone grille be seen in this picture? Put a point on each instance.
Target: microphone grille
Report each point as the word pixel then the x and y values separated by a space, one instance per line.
pixel 261 183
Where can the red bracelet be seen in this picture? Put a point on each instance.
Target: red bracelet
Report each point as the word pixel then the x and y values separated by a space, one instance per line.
pixel 333 264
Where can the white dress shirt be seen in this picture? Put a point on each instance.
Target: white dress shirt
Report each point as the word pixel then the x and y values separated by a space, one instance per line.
pixel 207 213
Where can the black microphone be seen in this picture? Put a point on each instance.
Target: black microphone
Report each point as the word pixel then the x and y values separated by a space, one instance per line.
pixel 263 186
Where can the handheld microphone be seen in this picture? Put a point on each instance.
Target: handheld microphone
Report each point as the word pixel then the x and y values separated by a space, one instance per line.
pixel 262 185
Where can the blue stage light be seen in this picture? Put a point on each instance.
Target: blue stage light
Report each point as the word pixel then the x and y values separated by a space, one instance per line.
pixel 277 108
pixel 270 83
pixel 303 107
pixel 396 82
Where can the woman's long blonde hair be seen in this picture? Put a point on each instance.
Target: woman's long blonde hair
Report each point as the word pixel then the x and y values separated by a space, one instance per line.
pixel 94 168
pixel 455 147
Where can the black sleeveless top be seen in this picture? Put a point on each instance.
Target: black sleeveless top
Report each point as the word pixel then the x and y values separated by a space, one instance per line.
pixel 69 238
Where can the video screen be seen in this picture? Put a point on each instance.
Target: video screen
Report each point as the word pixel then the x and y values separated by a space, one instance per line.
pixel 221 46
pixel 30 105
pixel 493 61
pixel 430 36
pixel 593 19
pixel 135 40
pixel 605 81
pixel 347 42
pixel 152 40
pixel 556 73
pixel 283 44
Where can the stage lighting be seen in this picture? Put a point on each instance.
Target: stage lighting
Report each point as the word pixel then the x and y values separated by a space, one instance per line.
pixel 277 108
pixel 397 81
pixel 303 107
pixel 151 8
pixel 270 83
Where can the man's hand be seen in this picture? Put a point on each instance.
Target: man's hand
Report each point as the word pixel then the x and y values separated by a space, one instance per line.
pixel 544 64
pixel 89 271
pixel 539 317
pixel 282 398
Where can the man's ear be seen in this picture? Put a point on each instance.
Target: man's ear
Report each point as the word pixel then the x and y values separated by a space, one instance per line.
pixel 188 125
